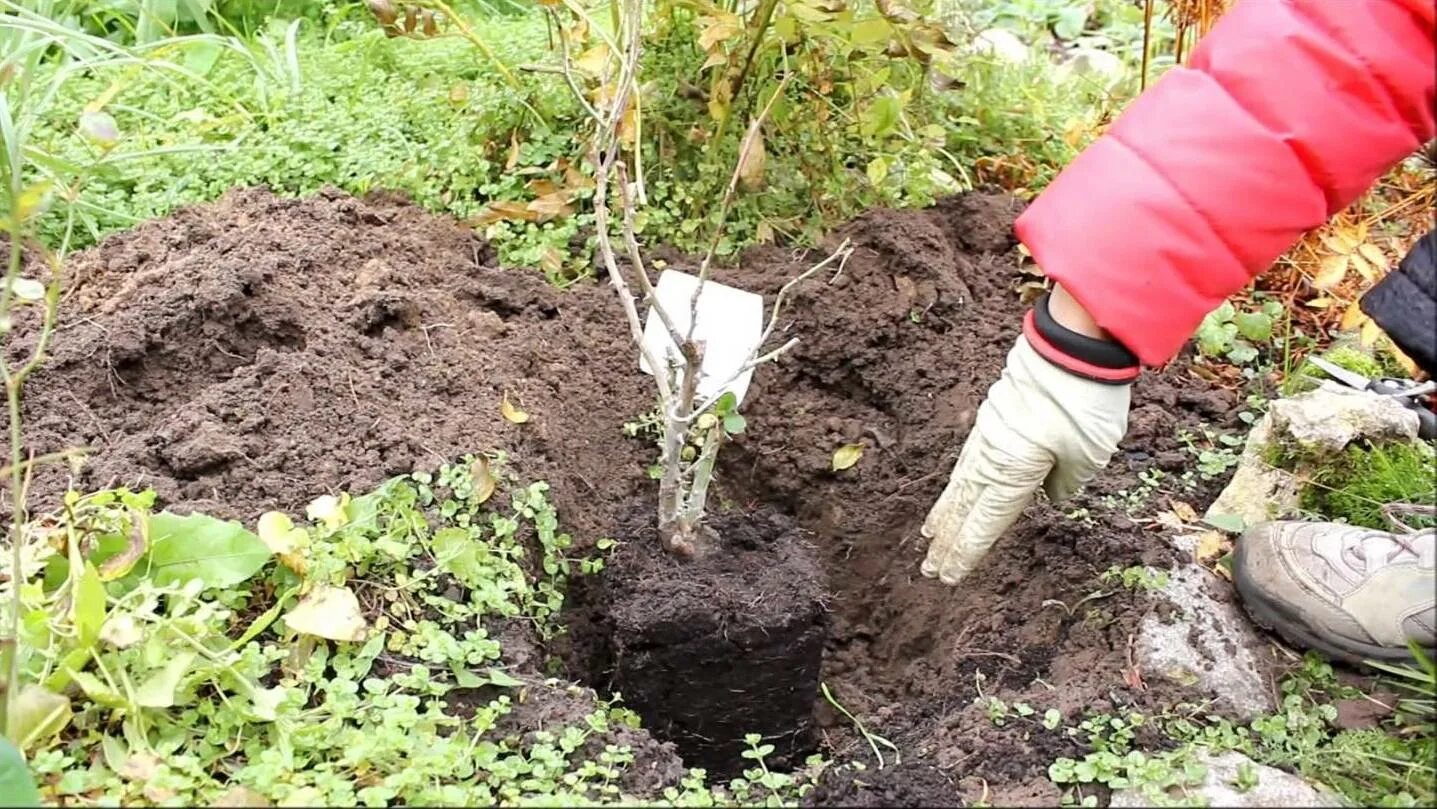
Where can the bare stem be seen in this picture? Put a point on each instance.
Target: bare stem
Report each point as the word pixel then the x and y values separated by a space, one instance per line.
pixel 750 138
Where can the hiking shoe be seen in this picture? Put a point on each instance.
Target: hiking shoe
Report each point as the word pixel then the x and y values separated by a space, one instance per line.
pixel 1349 592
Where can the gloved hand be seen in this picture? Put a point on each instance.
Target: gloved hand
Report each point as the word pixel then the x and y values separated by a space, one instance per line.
pixel 1053 419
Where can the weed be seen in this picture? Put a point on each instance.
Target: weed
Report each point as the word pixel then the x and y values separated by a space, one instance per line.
pixel 1137 577
pixel 1390 766
pixel 1230 334
pixel 1216 453
pixel 1356 485
pixel 345 659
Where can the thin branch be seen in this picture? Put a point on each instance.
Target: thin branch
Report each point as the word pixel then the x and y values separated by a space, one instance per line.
pixel 567 70
pixel 840 255
pixel 745 147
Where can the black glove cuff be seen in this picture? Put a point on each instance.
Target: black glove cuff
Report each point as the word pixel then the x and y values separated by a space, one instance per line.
pixel 1099 360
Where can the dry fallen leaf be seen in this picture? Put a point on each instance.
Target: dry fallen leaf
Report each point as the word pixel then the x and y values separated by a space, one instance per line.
pixel 846 456
pixel 1374 256
pixel 1184 512
pixel 1210 546
pixel 484 480
pixel 1352 318
pixel 1332 271
pixel 593 60
pixel 511 413
pixel 329 612
pixel 1370 332
pixel 502 210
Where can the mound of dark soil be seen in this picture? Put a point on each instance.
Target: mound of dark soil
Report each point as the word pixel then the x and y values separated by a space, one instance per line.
pixel 257 352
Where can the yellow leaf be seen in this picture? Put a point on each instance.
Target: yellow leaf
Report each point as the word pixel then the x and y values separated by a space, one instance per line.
pixel 1370 332
pixel 1352 318
pixel 1335 244
pixel 1210 546
pixel 1333 270
pixel 751 162
pixel 329 510
pixel 513 158
pixel 511 413
pixel 1407 363
pixel 276 530
pixel 329 612
pixel 717 30
pixel 1363 268
pixel 1374 256
pixel 594 60
pixel 1318 303
pixel 551 261
pixel 1349 237
pixel 484 479
pixel 1184 511
pixel 846 456
pixel 629 125
pixel 32 200
pixel 715 59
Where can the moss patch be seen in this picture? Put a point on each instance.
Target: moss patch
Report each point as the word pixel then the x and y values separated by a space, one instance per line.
pixel 1355 485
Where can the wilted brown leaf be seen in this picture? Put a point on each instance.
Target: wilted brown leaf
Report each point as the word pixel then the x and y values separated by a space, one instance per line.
pixel 594 60
pixel 1210 546
pixel 752 161
pixel 1332 271
pixel 1184 512
pixel 717 29
pixel 551 206
pixel 503 210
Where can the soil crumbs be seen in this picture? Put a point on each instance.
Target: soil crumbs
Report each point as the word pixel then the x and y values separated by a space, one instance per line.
pixel 254 353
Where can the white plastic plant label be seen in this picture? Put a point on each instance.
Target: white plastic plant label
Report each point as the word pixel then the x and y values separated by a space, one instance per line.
pixel 729 324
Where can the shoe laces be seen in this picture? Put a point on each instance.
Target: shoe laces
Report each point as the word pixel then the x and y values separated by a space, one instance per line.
pixel 1378 549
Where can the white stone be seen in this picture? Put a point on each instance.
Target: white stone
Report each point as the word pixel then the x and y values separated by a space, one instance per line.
pixel 1001 44
pixel 1273 787
pixel 1104 67
pixel 1257 492
pixel 1332 416
pixel 1211 647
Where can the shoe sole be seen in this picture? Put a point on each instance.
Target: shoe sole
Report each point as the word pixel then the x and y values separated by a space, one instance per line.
pixel 1278 617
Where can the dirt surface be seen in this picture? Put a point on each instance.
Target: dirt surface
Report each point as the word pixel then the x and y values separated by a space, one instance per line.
pixel 258 352
pixel 710 650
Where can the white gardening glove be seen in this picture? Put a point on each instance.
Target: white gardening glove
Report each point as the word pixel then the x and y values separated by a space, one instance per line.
pixel 1041 425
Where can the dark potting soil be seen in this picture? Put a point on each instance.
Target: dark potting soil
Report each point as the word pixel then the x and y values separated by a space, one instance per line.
pixel 709 650
pixel 257 352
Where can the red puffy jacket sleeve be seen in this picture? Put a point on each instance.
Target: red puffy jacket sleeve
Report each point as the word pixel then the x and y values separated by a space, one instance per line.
pixel 1287 112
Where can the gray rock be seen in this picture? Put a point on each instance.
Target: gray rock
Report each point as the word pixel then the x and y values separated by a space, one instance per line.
pixel 1096 64
pixel 1211 647
pixel 1257 491
pixel 1333 416
pixel 1321 421
pixel 1263 786
pixel 1001 44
